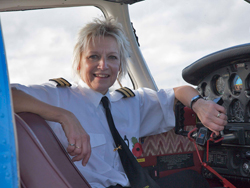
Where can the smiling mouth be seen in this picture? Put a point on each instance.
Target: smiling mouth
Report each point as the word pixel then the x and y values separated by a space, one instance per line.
pixel 101 75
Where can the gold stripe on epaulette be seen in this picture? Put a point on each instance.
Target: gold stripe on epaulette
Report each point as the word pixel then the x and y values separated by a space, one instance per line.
pixel 131 93
pixel 126 92
pixel 61 82
pixel 65 82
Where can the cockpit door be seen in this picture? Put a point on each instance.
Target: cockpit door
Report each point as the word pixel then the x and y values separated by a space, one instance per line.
pixel 8 150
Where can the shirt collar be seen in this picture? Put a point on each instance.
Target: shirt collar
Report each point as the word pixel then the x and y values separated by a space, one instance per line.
pixel 95 97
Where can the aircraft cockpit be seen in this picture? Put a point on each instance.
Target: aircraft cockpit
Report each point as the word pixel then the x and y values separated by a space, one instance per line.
pixel 224 76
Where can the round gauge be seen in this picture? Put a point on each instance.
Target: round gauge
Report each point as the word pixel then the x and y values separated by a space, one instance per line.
pixel 205 91
pixel 219 85
pixel 247 90
pixel 236 84
pixel 236 111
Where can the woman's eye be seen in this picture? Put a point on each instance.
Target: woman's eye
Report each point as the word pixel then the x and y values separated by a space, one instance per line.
pixel 113 57
pixel 93 57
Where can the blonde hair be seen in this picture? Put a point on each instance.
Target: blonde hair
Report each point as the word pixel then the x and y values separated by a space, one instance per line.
pixel 101 28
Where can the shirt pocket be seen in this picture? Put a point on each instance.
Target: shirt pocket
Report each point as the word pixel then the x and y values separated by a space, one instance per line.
pixel 98 145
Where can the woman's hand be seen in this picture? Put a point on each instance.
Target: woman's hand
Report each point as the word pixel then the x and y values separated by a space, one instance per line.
pixel 79 140
pixel 212 115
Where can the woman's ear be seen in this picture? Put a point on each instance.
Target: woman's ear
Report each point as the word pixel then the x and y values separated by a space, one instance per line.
pixel 79 67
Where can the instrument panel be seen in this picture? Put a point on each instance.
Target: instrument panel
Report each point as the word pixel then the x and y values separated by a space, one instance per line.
pixel 232 84
pixel 226 74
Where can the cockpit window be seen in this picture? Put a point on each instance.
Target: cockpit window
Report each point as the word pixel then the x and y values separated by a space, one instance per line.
pixel 174 34
pixel 39 43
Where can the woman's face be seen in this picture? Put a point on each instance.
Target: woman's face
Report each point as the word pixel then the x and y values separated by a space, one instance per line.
pixel 100 63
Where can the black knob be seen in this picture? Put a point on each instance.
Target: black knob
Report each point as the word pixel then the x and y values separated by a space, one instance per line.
pixel 246 167
pixel 248 154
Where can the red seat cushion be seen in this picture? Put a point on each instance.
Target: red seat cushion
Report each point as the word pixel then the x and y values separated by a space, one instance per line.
pixel 42 159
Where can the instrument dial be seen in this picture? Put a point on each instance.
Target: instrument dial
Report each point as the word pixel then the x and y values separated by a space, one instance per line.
pixel 236 111
pixel 218 85
pixel 205 90
pixel 236 84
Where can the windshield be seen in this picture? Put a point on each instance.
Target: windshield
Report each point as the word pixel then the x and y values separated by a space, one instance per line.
pixel 173 34
pixel 39 43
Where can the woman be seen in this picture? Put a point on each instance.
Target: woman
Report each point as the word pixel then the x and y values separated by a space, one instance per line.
pixel 78 118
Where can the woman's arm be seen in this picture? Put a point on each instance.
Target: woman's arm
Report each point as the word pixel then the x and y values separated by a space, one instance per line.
pixel 206 110
pixel 70 124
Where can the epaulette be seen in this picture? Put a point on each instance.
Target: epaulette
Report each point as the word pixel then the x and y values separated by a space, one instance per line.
pixel 126 92
pixel 61 82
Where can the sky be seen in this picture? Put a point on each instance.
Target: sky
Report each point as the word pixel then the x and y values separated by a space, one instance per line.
pixel 172 34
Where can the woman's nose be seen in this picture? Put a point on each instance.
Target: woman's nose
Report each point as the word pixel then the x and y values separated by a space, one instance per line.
pixel 102 64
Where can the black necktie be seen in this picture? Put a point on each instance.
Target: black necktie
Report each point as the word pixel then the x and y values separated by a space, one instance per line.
pixel 138 178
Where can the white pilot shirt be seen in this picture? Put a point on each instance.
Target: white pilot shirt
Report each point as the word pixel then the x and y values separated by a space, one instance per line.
pixel 148 113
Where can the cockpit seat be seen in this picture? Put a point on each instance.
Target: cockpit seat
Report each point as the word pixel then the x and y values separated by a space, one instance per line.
pixel 43 161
